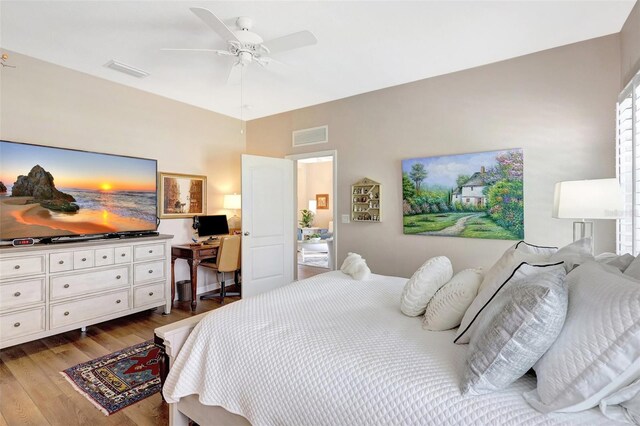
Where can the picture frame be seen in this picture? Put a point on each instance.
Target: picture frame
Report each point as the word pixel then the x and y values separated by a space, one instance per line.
pixel 322 201
pixel 181 195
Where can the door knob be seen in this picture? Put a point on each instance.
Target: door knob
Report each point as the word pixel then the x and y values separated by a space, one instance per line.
pixel 246 234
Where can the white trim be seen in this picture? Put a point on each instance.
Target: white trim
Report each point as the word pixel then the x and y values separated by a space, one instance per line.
pixel 328 153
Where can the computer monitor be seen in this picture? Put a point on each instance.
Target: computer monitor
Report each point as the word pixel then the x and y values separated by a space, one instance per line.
pixel 214 225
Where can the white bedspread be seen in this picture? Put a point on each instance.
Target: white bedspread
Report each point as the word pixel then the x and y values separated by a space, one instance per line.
pixel 330 350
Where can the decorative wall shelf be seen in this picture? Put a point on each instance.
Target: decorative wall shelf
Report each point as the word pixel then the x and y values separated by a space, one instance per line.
pixel 365 201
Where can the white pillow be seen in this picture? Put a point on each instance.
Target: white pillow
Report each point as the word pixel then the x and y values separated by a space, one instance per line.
pixel 514 256
pixel 424 283
pixel 621 262
pixel 498 275
pixel 360 271
pixel 516 328
pixel 349 262
pixel 574 254
pixel 598 350
pixel 634 269
pixel 447 307
pixel 623 405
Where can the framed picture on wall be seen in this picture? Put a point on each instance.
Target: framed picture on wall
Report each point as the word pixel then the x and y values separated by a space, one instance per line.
pixel 322 201
pixel 181 195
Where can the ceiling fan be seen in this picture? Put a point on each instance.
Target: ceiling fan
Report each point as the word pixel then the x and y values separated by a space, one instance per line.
pixel 246 46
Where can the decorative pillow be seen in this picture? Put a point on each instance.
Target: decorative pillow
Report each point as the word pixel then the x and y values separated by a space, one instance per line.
pixel 634 269
pixel 515 255
pixel 598 350
pixel 621 262
pixel 574 254
pixel 424 283
pixel 624 405
pixel 447 307
pixel 516 328
pixel 498 274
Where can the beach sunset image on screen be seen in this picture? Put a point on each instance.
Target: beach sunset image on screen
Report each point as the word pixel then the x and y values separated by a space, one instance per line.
pixel 49 192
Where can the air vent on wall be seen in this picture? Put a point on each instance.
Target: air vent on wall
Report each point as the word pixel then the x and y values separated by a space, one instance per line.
pixel 127 69
pixel 311 136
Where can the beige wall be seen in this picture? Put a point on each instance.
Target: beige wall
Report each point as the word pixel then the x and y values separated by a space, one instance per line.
pixel 630 45
pixel 558 105
pixel 316 178
pixel 47 104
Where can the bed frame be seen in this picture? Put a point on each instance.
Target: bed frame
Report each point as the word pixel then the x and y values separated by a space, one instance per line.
pixel 170 339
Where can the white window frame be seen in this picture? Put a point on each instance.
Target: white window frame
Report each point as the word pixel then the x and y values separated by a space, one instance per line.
pixel 628 143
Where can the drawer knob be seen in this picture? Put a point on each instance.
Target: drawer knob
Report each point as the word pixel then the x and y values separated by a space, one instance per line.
pixel 17 294
pixel 150 251
pixel 122 254
pixel 66 286
pixel 118 301
pixel 118 277
pixel 16 267
pixel 151 271
pixel 104 257
pixel 84 259
pixel 66 314
pixel 16 324
pixel 150 293
pixel 61 262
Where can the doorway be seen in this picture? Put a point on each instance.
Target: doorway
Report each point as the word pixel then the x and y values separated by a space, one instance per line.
pixel 316 212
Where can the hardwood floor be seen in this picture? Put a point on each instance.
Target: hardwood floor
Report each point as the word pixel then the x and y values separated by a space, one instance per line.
pixel 305 271
pixel 33 392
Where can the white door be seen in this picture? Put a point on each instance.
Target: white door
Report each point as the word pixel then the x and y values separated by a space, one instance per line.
pixel 267 223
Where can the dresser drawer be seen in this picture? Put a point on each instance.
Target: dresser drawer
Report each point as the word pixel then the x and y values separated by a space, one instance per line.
pixel 22 323
pixel 147 272
pixel 83 259
pixel 60 262
pixel 122 254
pixel 148 252
pixel 21 266
pixel 81 310
pixel 71 285
pixel 104 257
pixel 148 294
pixel 20 293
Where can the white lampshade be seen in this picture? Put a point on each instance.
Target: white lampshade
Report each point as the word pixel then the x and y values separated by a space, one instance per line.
pixel 232 202
pixel 313 205
pixel 588 199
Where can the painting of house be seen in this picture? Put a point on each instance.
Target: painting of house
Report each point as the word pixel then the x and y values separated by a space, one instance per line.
pixel 477 195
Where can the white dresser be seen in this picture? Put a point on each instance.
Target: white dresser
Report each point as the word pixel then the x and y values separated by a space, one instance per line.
pixel 50 289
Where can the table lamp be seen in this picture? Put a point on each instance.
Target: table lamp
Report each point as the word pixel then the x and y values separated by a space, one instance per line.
pixel 233 202
pixel 587 199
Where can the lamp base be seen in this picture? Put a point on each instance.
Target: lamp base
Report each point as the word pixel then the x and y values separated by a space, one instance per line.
pixel 583 229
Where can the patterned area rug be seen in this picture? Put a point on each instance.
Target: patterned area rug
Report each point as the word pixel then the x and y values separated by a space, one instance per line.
pixel 120 379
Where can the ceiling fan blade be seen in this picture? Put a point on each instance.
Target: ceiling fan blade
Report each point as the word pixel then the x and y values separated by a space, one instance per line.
pixel 209 18
pixel 291 41
pixel 189 50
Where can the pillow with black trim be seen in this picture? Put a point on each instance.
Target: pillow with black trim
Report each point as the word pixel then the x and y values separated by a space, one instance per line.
pixel 516 328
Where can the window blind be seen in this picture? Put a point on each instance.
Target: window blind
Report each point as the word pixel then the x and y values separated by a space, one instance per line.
pixel 628 166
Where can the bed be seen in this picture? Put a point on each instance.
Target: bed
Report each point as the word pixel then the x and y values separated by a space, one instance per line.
pixel 330 350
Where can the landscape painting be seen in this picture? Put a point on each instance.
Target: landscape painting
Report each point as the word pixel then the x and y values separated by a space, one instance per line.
pixel 477 195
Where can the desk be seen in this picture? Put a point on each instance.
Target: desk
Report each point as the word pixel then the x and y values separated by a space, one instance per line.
pixel 193 254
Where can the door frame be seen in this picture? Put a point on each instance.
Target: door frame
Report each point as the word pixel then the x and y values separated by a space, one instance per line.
pixel 328 153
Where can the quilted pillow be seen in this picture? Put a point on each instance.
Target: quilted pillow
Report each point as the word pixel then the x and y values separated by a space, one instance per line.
pixel 424 283
pixel 598 349
pixel 574 254
pixel 634 269
pixel 447 307
pixel 516 328
pixel 498 275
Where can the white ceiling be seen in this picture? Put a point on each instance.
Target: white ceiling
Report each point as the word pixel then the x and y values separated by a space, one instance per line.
pixel 362 46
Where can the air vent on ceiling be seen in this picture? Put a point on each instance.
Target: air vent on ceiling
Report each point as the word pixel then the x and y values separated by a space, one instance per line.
pixel 311 136
pixel 127 69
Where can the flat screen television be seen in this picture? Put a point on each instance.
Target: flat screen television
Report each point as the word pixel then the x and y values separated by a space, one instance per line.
pixel 48 192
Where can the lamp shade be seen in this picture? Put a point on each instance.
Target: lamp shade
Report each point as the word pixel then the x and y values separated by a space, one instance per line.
pixel 588 199
pixel 313 205
pixel 232 202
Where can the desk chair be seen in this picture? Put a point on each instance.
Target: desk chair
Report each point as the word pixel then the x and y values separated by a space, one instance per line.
pixel 227 260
